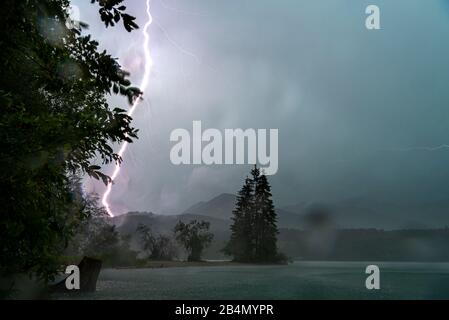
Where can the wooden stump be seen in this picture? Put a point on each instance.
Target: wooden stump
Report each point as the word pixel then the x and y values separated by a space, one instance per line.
pixel 89 271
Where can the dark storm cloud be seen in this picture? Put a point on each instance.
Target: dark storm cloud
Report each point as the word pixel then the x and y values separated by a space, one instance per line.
pixel 345 99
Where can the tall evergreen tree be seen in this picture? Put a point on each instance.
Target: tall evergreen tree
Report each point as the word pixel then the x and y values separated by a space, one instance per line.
pixel 240 245
pixel 265 227
pixel 254 231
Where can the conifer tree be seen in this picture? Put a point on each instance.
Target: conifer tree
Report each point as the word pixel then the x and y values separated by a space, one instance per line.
pixel 265 227
pixel 254 231
pixel 240 245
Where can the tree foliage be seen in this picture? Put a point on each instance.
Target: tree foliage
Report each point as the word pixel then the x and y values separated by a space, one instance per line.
pixel 240 245
pixel 156 247
pixel 112 11
pixel 54 121
pixel 97 237
pixel 194 237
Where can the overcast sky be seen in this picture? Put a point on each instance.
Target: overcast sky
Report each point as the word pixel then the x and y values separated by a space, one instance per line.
pixel 348 102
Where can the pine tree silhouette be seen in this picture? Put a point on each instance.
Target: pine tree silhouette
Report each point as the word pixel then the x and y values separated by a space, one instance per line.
pixel 240 244
pixel 254 231
pixel 266 228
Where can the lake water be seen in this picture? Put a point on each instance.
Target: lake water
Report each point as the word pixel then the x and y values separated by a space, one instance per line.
pixel 299 280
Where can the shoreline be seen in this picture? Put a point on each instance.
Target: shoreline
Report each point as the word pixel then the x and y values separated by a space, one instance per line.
pixel 160 264
pixel 185 264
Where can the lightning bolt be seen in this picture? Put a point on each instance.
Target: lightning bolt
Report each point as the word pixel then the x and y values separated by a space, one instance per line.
pixel 177 45
pixel 437 148
pixel 143 85
pixel 180 48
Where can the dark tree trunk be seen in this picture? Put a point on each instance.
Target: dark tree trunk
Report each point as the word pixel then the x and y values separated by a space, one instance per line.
pixel 89 271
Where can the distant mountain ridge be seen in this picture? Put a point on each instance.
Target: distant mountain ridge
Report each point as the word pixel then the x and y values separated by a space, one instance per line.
pixel 350 213
pixel 335 245
pixel 356 232
pixel 356 212
pixel 366 212
pixel 221 207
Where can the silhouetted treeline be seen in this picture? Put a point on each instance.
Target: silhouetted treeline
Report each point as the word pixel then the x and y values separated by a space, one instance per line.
pixel 430 245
